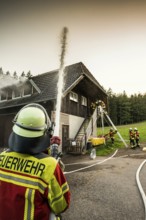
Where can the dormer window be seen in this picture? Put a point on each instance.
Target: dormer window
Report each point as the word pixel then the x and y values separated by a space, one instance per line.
pixel 18 91
pixel 16 94
pixel 9 94
pixel 28 89
pixel 3 95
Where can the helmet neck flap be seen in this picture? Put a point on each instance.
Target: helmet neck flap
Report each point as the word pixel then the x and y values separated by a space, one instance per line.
pixel 25 145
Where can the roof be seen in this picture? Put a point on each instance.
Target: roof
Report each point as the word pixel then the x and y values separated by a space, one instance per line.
pixel 78 71
pixel 47 85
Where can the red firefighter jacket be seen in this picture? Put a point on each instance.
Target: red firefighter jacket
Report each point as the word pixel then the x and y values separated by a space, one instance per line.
pixel 31 186
pixel 136 133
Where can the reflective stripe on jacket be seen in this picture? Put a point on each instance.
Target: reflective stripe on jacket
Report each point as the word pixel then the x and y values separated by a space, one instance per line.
pixel 30 186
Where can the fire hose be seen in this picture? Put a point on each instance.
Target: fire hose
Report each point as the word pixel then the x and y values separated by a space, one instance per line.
pixel 54 152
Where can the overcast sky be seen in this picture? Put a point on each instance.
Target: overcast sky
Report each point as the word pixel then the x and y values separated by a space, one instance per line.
pixel 109 37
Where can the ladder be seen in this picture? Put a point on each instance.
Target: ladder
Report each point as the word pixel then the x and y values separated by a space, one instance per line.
pixel 103 114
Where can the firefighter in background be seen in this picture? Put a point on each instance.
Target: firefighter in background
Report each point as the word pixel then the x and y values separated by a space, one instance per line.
pixel 32 184
pixel 132 138
pixel 102 104
pixel 53 150
pixel 111 134
pixel 98 103
pixel 55 141
pixel 136 136
pixel 93 105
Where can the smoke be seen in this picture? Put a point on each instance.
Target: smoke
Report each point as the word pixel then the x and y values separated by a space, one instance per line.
pixel 60 80
pixel 8 80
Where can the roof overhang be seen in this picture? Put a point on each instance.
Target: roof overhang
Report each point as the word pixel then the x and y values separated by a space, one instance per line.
pixel 76 82
pixel 87 85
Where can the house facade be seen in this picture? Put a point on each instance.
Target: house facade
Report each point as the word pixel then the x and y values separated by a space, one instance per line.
pixel 80 90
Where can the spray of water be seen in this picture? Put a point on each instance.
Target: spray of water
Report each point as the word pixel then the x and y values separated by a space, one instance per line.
pixel 60 80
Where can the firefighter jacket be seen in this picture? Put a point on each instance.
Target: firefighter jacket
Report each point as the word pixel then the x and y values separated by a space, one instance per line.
pixel 31 187
pixel 136 134
pixel 112 133
pixel 131 135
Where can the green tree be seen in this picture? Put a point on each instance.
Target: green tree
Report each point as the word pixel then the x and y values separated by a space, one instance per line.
pixel 124 110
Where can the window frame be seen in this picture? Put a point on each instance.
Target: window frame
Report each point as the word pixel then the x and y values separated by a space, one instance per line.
pixel 73 96
pixel 83 101
pixel 6 95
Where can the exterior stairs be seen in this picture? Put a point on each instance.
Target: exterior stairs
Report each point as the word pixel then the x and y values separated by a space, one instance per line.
pixel 85 131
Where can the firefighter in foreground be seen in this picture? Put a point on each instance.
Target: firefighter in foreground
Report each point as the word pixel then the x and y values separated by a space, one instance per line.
pixel 32 184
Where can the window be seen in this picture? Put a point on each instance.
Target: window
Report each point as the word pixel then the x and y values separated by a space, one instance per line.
pixel 27 90
pixel 84 101
pixel 16 94
pixel 3 95
pixel 73 96
pixel 9 94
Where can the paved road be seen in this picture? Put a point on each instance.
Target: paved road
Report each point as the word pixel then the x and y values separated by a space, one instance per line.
pixel 107 191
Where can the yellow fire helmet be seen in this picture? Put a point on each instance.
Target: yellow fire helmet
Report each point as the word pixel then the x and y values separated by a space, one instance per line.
pixel 30 130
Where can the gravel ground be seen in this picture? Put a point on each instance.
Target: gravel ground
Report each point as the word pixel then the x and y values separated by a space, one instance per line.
pixel 106 191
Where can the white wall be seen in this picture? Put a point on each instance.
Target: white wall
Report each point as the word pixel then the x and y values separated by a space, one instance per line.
pixel 74 125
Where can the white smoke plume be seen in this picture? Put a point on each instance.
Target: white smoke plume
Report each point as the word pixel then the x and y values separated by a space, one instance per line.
pixel 7 80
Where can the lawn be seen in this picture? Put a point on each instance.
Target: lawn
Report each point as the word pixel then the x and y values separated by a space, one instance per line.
pixel 123 130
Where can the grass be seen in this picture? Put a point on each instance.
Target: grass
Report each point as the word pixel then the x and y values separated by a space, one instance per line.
pixel 103 150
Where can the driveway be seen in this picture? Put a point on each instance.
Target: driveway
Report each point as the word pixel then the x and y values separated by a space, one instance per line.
pixel 106 191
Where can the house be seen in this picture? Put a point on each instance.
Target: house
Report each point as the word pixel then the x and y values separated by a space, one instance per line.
pixel 78 119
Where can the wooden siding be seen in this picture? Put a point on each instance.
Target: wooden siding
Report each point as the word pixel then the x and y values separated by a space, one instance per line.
pixel 5 129
pixel 73 107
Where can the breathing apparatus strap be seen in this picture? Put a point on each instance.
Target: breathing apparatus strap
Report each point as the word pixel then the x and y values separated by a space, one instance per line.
pixel 30 128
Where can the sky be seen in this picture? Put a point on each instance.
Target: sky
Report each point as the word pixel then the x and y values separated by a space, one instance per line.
pixel 108 36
